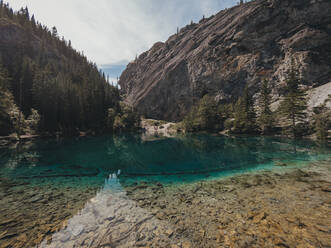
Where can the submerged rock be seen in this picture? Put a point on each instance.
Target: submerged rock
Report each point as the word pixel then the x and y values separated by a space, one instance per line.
pixel 288 212
pixel 285 207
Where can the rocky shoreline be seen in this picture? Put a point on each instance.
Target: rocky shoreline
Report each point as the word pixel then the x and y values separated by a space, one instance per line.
pixel 158 128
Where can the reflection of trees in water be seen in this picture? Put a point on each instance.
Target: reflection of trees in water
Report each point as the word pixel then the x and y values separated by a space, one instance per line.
pixel 19 154
pixel 241 151
pixel 201 153
pixel 289 149
pixel 123 151
pixel 100 156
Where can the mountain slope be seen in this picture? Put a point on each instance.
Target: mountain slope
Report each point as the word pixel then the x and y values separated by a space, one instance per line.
pixel 43 72
pixel 220 55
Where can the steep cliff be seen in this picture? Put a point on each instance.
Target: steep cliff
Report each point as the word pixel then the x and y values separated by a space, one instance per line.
pixel 223 53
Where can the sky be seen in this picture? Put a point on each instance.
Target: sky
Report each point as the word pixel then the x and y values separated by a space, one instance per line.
pixel 112 32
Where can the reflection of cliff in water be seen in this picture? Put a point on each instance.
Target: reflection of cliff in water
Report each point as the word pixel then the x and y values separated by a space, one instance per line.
pixel 204 154
pixel 95 157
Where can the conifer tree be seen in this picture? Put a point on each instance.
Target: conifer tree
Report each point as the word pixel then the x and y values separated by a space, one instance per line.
pixel 322 118
pixel 6 103
pixel 33 22
pixel 26 85
pixel 54 32
pixel 203 117
pixel 245 116
pixel 294 105
pixel 265 119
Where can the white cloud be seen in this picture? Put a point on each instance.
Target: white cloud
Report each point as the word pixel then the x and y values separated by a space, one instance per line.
pixel 114 31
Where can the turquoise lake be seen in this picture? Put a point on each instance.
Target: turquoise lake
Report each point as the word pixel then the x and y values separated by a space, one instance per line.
pixel 131 158
pixel 45 182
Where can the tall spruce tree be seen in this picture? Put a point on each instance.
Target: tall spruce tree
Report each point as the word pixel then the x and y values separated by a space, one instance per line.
pixel 322 118
pixel 6 103
pixel 294 105
pixel 245 116
pixel 265 119
pixel 203 117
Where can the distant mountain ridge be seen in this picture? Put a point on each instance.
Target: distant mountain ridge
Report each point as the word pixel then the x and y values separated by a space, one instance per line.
pixel 222 54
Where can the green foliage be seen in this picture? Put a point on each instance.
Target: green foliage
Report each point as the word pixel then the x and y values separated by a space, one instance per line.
pixel 48 75
pixel 126 119
pixel 265 119
pixel 6 104
pixel 203 117
pixel 33 121
pixel 11 117
pixel 209 116
pixel 294 105
pixel 228 124
pixel 226 111
pixel 111 118
pixel 322 118
pixel 17 120
pixel 244 115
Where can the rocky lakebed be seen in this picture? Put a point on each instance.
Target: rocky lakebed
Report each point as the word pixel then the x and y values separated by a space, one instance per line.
pixel 283 207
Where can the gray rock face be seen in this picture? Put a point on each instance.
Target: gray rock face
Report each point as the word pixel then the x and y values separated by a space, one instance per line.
pixel 220 55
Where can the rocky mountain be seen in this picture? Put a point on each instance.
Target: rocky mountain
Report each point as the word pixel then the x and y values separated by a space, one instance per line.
pixel 222 54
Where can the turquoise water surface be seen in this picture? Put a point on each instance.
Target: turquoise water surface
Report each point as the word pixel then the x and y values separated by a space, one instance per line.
pixel 61 193
pixel 131 158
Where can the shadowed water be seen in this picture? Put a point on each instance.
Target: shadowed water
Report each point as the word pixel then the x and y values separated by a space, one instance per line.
pixel 71 192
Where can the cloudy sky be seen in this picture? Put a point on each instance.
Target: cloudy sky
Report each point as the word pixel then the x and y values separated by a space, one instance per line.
pixel 112 32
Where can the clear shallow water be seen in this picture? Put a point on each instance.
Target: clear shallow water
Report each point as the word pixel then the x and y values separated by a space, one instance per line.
pixel 130 158
pixel 83 181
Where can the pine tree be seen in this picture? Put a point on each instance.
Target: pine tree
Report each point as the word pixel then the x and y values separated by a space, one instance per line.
pixel 203 117
pixel 54 32
pixel 26 81
pixel 26 14
pixel 294 105
pixel 245 116
pixel 207 113
pixel 6 103
pixel 322 117
pixel 265 119
pixel 33 23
